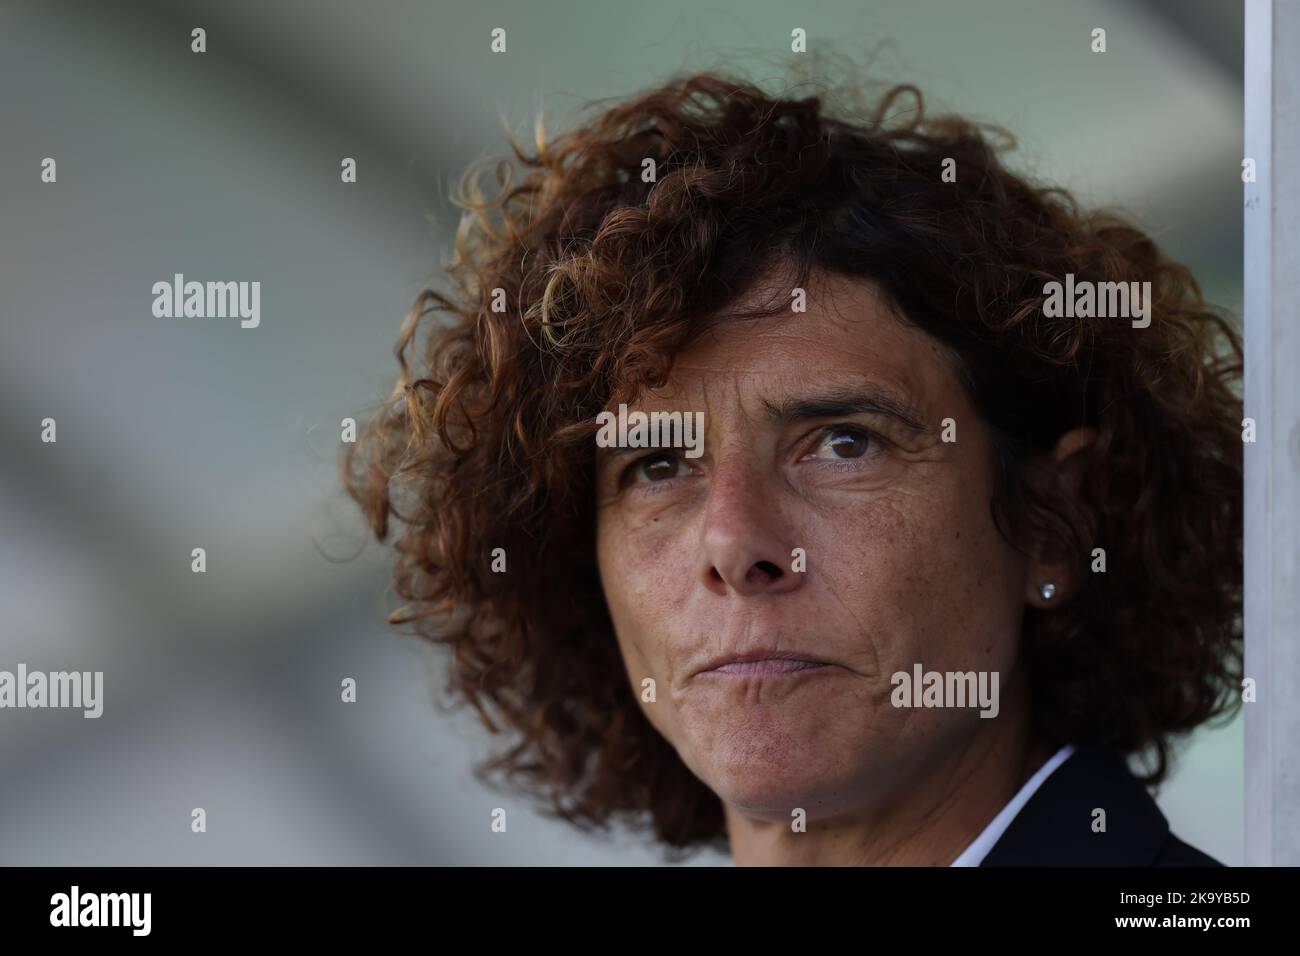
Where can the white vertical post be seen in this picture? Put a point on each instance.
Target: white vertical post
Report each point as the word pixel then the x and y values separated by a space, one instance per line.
pixel 1272 464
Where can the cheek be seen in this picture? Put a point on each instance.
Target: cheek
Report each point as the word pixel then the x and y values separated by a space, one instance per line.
pixel 927 578
pixel 644 591
pixel 641 576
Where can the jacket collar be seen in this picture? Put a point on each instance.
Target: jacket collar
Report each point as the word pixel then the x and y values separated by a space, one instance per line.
pixel 1056 826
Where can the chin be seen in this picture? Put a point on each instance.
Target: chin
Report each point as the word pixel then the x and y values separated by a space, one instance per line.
pixel 768 776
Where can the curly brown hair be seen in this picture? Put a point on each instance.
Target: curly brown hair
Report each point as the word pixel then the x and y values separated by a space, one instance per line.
pixel 604 277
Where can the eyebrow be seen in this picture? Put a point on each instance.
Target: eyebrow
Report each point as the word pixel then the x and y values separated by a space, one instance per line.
pixel 845 402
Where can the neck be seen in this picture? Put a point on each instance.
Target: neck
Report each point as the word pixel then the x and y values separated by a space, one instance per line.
pixel 926 820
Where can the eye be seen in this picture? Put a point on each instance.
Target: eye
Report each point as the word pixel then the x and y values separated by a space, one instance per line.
pixel 846 442
pixel 659 466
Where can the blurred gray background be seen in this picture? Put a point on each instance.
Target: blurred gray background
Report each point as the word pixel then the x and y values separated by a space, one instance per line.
pixel 222 689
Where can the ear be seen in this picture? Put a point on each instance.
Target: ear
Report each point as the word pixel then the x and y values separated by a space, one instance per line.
pixel 1063 468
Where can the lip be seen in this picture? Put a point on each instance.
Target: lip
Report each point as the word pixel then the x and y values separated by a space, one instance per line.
pixel 763 664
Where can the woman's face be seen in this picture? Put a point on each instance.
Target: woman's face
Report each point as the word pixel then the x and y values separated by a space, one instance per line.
pixel 823 432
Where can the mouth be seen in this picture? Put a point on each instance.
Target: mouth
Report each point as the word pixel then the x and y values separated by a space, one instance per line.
pixel 763 664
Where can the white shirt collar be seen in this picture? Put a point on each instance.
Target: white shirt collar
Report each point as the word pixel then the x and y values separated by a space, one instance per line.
pixel 974 854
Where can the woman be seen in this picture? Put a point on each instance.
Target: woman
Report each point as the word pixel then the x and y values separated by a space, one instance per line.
pixel 952 545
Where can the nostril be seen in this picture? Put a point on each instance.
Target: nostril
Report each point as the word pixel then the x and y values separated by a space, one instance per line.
pixel 763 572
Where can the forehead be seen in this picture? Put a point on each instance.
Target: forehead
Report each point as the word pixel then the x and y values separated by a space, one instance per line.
pixel 849 334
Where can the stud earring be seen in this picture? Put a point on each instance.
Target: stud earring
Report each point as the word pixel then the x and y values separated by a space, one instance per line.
pixel 1048 591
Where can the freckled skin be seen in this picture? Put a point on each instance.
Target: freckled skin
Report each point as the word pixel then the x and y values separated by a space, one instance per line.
pixel 904 565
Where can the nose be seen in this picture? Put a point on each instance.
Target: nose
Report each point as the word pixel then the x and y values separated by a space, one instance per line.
pixel 746 542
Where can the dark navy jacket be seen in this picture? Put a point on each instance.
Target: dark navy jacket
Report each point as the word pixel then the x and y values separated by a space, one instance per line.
pixel 1054 828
